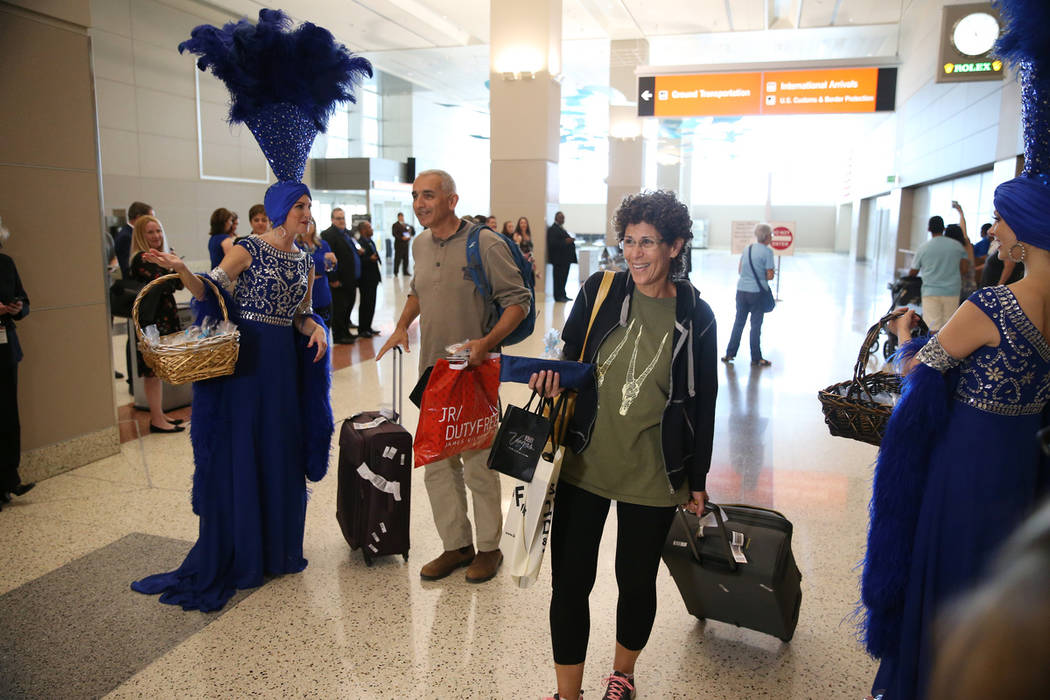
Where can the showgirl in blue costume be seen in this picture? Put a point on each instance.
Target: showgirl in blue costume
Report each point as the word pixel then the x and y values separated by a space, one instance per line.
pixel 261 432
pixel 960 465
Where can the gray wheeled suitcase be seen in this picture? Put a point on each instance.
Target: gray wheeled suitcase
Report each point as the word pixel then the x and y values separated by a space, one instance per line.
pixel 742 572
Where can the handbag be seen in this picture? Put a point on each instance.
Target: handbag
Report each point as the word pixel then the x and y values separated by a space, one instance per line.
pixel 459 410
pixel 518 445
pixel 527 525
pixel 768 302
pixel 568 404
pixel 122 295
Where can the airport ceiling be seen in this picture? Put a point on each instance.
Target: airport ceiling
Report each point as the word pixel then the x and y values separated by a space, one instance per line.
pixel 443 44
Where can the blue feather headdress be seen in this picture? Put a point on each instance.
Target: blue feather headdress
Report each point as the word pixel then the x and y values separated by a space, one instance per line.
pixel 284 84
pixel 1025 43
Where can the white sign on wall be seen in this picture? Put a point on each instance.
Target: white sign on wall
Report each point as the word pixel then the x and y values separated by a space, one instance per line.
pixel 742 235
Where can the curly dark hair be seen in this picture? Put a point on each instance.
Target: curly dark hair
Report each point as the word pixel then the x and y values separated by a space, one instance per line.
pixel 661 210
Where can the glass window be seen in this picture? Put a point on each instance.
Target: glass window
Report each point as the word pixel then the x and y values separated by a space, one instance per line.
pixel 370 131
pixel 369 103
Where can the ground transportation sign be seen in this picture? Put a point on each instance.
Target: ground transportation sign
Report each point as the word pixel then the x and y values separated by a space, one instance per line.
pixel 814 91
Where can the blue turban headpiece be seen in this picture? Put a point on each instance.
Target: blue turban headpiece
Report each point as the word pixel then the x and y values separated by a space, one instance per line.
pixel 1024 202
pixel 284 85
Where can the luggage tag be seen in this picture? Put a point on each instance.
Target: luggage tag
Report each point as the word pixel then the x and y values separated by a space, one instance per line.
pixel 709 519
pixel 3 335
pixel 736 545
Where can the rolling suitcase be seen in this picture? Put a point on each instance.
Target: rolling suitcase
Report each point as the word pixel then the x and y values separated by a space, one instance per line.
pixel 375 479
pixel 741 572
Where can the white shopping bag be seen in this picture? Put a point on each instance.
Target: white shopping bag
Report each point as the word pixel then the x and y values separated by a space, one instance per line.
pixel 528 522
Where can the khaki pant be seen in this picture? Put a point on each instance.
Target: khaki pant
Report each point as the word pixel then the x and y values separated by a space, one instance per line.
pixel 446 481
pixel 937 310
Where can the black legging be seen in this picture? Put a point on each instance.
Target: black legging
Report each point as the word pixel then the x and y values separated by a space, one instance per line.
pixel 579 518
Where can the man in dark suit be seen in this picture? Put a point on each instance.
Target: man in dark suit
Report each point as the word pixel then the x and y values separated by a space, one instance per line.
pixel 122 241
pixel 343 279
pixel 369 280
pixel 561 252
pixel 402 233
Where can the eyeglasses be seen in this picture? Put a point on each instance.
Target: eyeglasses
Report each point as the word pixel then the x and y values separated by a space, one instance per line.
pixel 645 244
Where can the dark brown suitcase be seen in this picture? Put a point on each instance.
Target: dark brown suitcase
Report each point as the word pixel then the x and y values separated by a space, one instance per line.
pixel 763 593
pixel 373 499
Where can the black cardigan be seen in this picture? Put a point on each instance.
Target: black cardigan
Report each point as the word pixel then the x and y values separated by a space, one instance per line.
pixel 688 425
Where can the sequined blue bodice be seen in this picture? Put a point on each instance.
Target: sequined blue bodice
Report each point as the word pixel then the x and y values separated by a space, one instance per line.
pixel 274 286
pixel 1011 379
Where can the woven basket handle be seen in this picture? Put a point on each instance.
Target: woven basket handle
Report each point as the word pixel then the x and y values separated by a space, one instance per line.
pixel 164 278
pixel 860 370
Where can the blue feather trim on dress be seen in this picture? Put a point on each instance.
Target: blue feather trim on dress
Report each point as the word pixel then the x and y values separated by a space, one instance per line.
pixel 316 406
pixel 900 478
pixel 207 423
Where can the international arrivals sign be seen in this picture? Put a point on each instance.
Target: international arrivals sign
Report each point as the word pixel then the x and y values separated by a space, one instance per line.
pixel 817 91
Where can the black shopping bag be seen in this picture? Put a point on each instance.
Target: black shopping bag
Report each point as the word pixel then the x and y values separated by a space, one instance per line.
pixel 523 433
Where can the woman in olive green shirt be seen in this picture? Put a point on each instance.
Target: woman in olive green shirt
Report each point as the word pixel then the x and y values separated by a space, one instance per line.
pixel 640 435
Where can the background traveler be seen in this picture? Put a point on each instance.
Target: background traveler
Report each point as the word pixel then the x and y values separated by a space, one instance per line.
pixel 749 294
pixel 14 306
pixel 220 235
pixel 122 241
pixel 561 253
pixel 149 236
pixel 941 262
pixel 260 223
pixel 402 234
pixel 368 282
pixel 324 261
pixel 343 279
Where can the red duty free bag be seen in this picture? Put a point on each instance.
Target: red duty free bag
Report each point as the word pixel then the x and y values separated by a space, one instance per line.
pixel 459 410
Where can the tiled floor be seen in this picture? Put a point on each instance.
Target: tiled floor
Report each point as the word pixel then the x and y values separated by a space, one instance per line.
pixel 341 629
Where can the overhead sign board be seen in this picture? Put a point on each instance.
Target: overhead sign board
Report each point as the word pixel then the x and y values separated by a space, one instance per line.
pixel 968 35
pixel 817 91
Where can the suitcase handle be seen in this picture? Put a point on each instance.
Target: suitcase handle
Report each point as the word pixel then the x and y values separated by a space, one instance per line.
pixel 690 537
pixel 397 403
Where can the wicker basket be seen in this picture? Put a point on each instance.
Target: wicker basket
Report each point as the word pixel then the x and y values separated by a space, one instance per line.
pixel 849 407
pixel 191 360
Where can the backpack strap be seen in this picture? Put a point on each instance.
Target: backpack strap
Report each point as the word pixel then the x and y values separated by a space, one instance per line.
pixel 474 267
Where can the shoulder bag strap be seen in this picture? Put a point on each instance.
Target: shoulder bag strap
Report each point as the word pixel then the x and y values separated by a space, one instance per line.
pixel 603 291
pixel 752 266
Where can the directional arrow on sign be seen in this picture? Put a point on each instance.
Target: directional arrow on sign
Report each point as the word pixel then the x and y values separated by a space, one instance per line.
pixel 646 95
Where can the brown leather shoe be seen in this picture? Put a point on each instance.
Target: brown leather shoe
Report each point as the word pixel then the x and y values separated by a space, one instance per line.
pixel 484 566
pixel 448 562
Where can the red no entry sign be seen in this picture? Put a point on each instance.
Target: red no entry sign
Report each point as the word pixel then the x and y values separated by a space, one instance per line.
pixel 783 239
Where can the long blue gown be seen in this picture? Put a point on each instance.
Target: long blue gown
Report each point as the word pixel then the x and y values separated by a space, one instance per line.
pixel 250 443
pixel 985 474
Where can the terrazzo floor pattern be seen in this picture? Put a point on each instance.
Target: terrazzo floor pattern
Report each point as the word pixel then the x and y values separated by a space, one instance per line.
pixel 341 629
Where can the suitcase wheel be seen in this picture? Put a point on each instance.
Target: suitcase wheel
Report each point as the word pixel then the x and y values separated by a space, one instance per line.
pixel 405 556
pixel 368 560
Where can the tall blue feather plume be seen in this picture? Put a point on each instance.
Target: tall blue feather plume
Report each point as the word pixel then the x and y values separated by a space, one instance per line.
pixel 269 63
pixel 1025 43
pixel 1026 34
